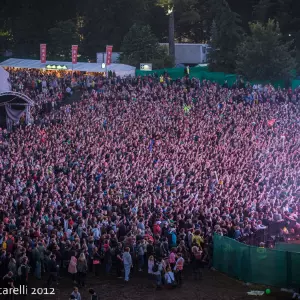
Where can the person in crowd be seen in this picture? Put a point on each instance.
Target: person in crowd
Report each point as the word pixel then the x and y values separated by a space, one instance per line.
pixel 118 260
pixel 170 278
pixel 96 259
pixel 8 283
pixel 107 258
pixel 12 267
pixel 76 294
pixel 72 269
pixel 178 269
pixel 157 271
pixel 82 269
pixel 23 271
pixel 93 294
pixel 197 262
pixel 150 266
pixel 141 254
pixel 53 271
pixel 127 261
pixel 36 258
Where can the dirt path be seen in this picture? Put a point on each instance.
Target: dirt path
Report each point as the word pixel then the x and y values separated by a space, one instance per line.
pixel 213 286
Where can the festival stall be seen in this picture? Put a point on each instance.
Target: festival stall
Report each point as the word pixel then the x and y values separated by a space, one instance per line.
pixel 120 69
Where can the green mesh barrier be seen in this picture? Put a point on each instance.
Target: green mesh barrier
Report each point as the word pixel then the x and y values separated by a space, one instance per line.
pixel 288 247
pixel 295 84
pixel 218 77
pixel 256 265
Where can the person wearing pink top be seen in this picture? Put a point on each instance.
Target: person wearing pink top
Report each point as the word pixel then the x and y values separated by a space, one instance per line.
pixel 72 269
pixel 172 259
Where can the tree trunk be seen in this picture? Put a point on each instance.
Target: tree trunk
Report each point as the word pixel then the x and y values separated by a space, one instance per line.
pixel 172 35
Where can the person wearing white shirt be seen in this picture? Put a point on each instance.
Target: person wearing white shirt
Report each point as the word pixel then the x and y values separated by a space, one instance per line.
pixel 260 226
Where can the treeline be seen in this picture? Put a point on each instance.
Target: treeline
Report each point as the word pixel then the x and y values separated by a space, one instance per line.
pixel 257 38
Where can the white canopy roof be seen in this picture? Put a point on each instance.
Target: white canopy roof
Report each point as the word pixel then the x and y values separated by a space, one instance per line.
pixel 119 69
pixel 4 84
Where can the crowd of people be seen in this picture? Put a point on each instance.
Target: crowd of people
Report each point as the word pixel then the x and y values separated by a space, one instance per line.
pixel 141 172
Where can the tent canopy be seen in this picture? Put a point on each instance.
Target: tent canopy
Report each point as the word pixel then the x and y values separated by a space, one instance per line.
pixel 119 69
pixel 4 84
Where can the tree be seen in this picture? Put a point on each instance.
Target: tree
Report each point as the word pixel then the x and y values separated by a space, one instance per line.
pixel 245 10
pixel 226 34
pixel 188 16
pixel 141 45
pixel 107 22
pixel 168 6
pixel 28 22
pixel 62 37
pixel 5 41
pixel 190 19
pixel 263 55
pixel 287 14
pixel 297 44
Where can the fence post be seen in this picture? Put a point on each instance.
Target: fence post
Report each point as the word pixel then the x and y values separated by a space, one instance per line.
pixel 289 276
pixel 250 264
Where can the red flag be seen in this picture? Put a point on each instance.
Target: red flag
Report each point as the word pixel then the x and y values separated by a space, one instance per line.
pixel 43 51
pixel 108 54
pixel 271 122
pixel 74 54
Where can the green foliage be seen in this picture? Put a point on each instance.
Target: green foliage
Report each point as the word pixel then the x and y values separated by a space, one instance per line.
pixel 263 55
pixel 226 34
pixel 297 44
pixel 140 45
pixel 166 4
pixel 107 22
pixel 28 22
pixel 190 16
pixel 5 40
pixel 62 37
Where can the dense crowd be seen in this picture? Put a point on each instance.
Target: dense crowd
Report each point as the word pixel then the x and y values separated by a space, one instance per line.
pixel 143 171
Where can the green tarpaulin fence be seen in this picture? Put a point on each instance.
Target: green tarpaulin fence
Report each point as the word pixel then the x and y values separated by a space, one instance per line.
pixel 196 72
pixel 288 247
pixel 256 265
pixel 295 84
pixel 219 77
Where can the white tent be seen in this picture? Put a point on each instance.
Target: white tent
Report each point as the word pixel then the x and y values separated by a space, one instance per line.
pixel 122 70
pixel 119 69
pixel 4 83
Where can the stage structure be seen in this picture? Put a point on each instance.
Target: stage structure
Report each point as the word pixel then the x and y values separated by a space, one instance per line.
pixel 15 105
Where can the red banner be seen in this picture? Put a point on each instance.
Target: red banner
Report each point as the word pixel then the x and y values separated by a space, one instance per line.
pixel 43 52
pixel 108 54
pixel 74 54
